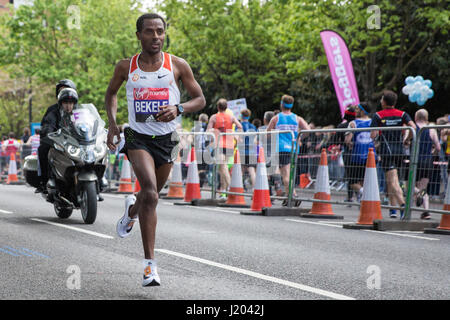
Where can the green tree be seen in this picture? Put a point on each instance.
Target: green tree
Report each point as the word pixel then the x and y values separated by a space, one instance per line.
pixel 77 39
pixel 231 47
pixel 412 39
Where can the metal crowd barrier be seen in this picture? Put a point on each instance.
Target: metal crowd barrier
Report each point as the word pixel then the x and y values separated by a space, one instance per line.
pixel 261 138
pixel 431 167
pixel 357 170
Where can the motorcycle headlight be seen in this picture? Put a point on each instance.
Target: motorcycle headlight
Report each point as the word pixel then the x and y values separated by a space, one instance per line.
pixel 100 151
pixel 73 151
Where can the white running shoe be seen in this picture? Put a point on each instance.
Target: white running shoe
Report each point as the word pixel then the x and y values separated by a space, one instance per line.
pixel 151 277
pixel 125 223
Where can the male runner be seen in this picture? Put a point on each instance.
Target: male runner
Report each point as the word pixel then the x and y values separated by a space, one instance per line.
pixel 286 120
pixel 391 146
pixel 152 85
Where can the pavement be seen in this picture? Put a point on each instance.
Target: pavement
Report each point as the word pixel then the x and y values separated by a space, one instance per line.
pixel 211 253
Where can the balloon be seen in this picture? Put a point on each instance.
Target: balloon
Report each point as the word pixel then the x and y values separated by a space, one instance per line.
pixel 428 83
pixel 418 78
pixel 416 86
pixel 430 94
pixel 409 80
pixel 421 101
pixel 406 90
pixel 424 90
pixel 413 96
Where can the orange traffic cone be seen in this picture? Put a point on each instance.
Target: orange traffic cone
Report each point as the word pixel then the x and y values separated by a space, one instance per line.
pixel 370 202
pixel 176 182
pixel 193 180
pixel 236 185
pixel 322 192
pixel 261 193
pixel 444 226
pixel 12 170
pixel 304 180
pixel 125 184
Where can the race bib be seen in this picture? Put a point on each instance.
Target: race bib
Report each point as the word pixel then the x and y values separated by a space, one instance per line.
pixel 147 102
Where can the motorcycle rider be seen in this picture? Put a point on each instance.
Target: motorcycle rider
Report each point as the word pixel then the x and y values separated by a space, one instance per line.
pixel 67 102
pixel 50 123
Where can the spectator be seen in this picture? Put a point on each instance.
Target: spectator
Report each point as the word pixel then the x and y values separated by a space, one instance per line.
pixel 257 123
pixel 250 143
pixel 3 157
pixel 202 148
pixel 10 147
pixel 349 116
pixel 34 141
pixel 26 135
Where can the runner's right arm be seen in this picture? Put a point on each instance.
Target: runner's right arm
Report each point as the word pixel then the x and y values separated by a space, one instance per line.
pixel 120 75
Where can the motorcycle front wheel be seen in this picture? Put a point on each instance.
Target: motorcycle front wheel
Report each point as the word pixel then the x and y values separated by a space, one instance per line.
pixel 88 204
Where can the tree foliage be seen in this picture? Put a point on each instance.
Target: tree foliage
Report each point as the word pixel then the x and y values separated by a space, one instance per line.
pixel 252 49
pixel 77 39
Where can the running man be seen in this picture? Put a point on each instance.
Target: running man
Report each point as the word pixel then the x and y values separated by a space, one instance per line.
pixel 286 120
pixel 152 87
pixel 223 122
pixel 428 142
pixel 391 146
pixel 358 144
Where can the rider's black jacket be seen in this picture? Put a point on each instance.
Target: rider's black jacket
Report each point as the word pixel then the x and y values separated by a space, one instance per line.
pixel 51 121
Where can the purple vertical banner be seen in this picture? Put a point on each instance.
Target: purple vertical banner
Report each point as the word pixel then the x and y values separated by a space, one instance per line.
pixel 341 69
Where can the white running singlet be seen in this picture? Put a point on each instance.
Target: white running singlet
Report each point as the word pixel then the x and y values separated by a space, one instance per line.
pixel 146 92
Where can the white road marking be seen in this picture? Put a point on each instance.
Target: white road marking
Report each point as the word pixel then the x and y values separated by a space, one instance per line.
pixel 202 208
pixel 5 211
pixel 403 235
pixel 92 233
pixel 213 209
pixel 319 223
pixel 295 285
pixel 376 231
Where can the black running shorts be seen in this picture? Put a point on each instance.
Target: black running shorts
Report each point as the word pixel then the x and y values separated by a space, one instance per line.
pixel 163 149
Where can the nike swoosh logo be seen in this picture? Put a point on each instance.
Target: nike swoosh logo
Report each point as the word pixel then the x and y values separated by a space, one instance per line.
pixel 159 77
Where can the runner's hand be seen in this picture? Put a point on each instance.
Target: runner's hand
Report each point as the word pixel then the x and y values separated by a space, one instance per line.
pixel 167 113
pixel 113 131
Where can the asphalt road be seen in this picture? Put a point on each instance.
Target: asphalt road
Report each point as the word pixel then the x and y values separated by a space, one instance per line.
pixel 212 254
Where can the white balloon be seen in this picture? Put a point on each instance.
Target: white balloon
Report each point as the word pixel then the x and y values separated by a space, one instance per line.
pixel 406 90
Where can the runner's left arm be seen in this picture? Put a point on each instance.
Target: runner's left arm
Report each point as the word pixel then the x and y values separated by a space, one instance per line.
pixel 183 72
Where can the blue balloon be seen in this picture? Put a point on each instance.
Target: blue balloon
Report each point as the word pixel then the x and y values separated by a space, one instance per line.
pixel 421 102
pixel 409 80
pixel 414 96
pixel 418 78
pixel 430 94
pixel 410 98
pixel 428 83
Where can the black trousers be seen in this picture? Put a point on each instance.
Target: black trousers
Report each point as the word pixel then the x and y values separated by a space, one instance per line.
pixel 43 150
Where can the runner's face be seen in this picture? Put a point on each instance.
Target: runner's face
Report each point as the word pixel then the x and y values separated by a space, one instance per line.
pixel 152 35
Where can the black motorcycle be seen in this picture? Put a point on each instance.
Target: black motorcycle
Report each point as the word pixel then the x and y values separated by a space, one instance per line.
pixel 77 162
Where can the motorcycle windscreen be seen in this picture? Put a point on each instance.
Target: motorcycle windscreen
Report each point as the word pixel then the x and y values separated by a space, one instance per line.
pixel 85 124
